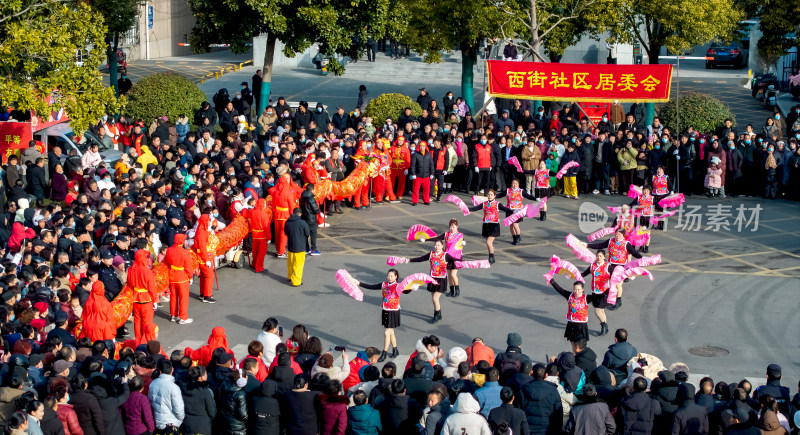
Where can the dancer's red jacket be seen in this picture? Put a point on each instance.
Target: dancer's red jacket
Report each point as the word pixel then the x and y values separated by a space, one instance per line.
pixel 259 220
pixel 180 263
pixel 140 277
pixel 201 239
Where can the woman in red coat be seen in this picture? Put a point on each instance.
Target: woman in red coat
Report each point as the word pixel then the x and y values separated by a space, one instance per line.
pixel 98 315
pixel 334 410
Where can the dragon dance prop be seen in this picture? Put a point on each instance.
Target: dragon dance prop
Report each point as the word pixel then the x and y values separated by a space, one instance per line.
pixel 236 231
pixel 580 250
pixel 420 232
pixel 415 280
pixel 514 161
pixel 473 264
pixel 457 201
pixel 349 285
pixel 563 171
pixel 562 267
pixel 394 261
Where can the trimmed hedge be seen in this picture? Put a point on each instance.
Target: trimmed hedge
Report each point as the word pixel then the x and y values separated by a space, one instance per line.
pixel 393 105
pixel 163 94
pixel 701 111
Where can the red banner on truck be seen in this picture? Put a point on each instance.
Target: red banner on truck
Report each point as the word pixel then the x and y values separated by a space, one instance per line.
pixel 579 82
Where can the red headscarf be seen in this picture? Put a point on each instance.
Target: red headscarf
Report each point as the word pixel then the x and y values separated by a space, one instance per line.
pixel 180 239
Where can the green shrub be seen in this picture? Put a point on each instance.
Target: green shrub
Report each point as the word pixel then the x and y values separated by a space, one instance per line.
pixel 163 94
pixel 701 111
pixel 393 105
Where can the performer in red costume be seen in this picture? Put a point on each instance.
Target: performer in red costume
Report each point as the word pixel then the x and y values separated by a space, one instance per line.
pixel 98 315
pixel 259 225
pixel 180 272
pixel 361 196
pixel 284 198
pixel 205 258
pixel 145 293
pixel 215 340
pixel 400 157
pixel 382 184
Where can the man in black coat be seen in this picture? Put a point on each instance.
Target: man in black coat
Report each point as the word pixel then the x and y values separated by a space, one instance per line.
pixel 542 404
pixel 110 400
pixel 257 80
pixel 519 379
pixel 510 361
pixel 266 410
pixel 507 414
pixel 775 389
pixel 417 385
pixel 297 232
pixel 302 409
pixel 690 418
pixel 37 181
pixel 424 99
pixel 399 412
pixel 421 172
pixel 585 358
pixel 310 210
pixel 618 355
pixel 639 410
pixel 87 408
pixel 227 119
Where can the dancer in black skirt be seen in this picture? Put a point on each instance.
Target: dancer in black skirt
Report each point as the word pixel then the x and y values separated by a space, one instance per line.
pixel 577 311
pixel 491 220
pixel 438 259
pixel 390 310
pixel 600 284
pixel 514 196
pixel 619 251
pixel 644 205
pixel 454 242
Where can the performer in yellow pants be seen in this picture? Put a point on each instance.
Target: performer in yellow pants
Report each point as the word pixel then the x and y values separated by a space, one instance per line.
pixel 297 232
pixel 295 263
pixel 570 187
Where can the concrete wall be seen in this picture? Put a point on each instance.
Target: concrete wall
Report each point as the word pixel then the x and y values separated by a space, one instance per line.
pixel 589 50
pixel 172 24
pixel 300 60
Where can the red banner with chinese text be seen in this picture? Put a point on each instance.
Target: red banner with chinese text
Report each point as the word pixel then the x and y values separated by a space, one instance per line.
pixel 579 82
pixel 14 136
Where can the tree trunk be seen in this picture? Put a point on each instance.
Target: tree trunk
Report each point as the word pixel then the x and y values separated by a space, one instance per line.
pixel 654 52
pixel 113 75
pixel 469 57
pixel 266 77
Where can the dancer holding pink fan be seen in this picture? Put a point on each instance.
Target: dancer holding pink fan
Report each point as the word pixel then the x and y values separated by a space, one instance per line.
pixel 390 309
pixel 491 220
pixel 619 250
pixel 514 196
pixel 577 329
pixel 454 244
